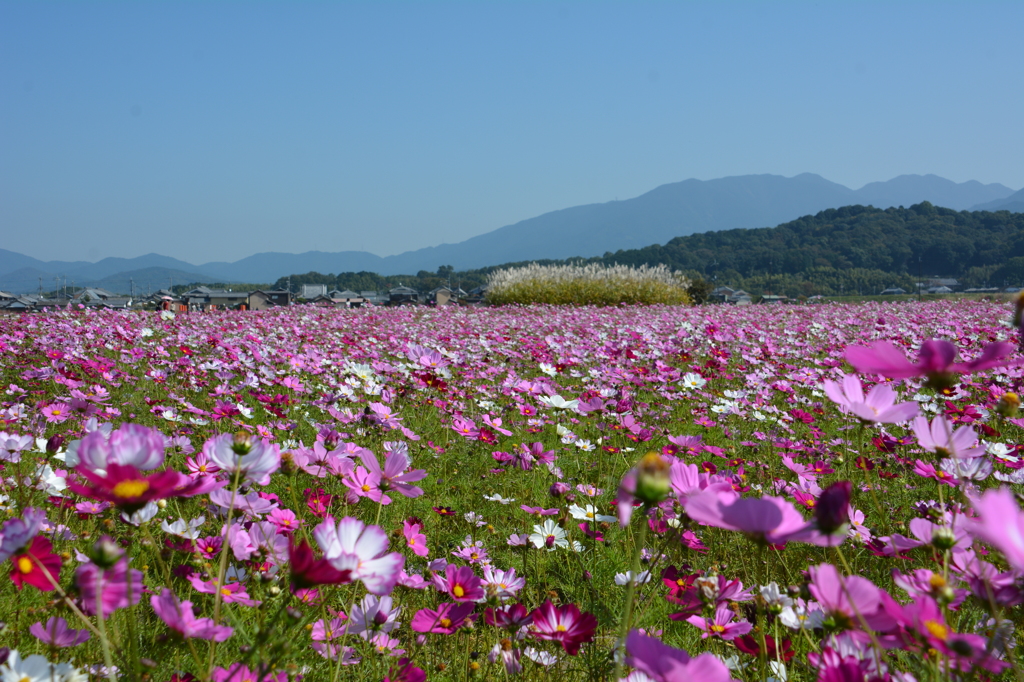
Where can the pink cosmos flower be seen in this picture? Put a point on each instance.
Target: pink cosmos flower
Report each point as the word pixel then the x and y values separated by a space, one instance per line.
pixel 1000 523
pixel 769 519
pixel 325 632
pixel 721 624
pixel 405 671
pixel 878 407
pixel 232 593
pixel 462 584
pixel 359 552
pixel 936 360
pixel 240 673
pixel 131 445
pixel 503 584
pixel 366 484
pixel 663 663
pixel 940 437
pixel 284 520
pixel 848 599
pixel 414 538
pixel 564 624
pixel 108 589
pixel 394 475
pixel 56 632
pixel 179 617
pixel 445 619
pixel 255 460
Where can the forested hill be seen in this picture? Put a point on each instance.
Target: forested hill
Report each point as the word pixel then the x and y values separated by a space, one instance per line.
pixel 976 247
pixel 854 249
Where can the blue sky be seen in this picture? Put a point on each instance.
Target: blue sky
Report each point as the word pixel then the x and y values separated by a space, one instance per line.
pixel 211 131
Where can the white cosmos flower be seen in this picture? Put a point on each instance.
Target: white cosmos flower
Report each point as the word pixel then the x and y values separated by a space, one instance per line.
pixel 559 402
pixel 548 369
pixel 184 529
pixel 693 380
pixel 622 579
pixel 547 532
pixel 37 669
pixel 499 499
pixel 585 445
pixel 590 513
pixel 540 657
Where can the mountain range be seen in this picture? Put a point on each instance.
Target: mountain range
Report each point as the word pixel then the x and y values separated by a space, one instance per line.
pixel 671 210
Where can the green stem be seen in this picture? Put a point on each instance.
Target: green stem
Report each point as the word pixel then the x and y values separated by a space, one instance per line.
pixel 630 589
pixel 219 596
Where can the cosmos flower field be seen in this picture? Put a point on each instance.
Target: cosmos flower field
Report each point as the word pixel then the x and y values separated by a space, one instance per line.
pixel 645 493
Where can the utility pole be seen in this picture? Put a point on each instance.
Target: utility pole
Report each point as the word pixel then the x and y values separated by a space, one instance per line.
pixel 40 287
pixel 131 281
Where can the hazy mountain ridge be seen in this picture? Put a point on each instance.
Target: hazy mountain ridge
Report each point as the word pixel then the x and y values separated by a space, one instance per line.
pixel 655 217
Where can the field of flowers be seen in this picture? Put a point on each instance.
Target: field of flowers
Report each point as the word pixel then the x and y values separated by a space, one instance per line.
pixel 652 493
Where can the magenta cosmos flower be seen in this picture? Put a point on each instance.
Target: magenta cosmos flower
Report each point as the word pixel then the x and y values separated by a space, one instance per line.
pixel 936 360
pixel 463 584
pixel 359 552
pixel 56 632
pixel 108 589
pixel 564 624
pixel 847 600
pixel 16 534
pixel 179 617
pixel 129 489
pixel 768 519
pixel 721 624
pixel 879 406
pixel 663 663
pixel 1000 523
pixel 445 619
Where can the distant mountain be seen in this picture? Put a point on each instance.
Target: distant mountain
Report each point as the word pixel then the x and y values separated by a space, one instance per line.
pixel 1013 203
pixel 669 211
pixel 147 280
pixel 680 209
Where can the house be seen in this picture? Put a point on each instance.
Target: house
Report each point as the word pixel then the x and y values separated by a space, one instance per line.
pixel 264 300
pixel 939 290
pixel 893 291
pixel 92 294
pixel 721 294
pixel 347 298
pixel 773 298
pixel 204 298
pixel 311 291
pixel 947 282
pixel 739 297
pixel 403 295
pixel 444 295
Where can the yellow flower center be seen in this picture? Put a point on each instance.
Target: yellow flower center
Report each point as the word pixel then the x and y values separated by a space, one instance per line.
pixel 936 629
pixel 717 628
pixel 366 488
pixel 24 564
pixel 127 490
pixel 446 622
pixel 412 541
pixel 458 591
pixel 225 591
pixel 937 582
pixel 561 628
pixel 474 555
pixel 202 468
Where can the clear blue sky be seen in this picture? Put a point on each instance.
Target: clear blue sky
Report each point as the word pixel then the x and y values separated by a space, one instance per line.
pixel 211 131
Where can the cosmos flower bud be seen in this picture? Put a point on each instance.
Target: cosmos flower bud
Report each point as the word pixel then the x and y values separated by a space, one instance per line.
pixel 55 443
pixel 1008 405
pixel 943 539
pixel 558 489
pixel 241 444
pixel 832 511
pixel 652 482
pixel 105 552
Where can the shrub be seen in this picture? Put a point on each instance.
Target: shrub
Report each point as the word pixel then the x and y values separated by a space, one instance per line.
pixel 588 285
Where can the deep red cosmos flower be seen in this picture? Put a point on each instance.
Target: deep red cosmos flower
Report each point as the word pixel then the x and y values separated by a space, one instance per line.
pixel 308 571
pixel 563 624
pixel 32 566
pixel 129 489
